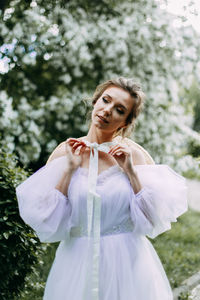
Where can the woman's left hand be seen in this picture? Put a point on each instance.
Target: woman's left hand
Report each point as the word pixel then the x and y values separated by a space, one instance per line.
pixel 123 156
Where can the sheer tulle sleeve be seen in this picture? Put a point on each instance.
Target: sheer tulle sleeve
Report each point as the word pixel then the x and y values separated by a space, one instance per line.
pixel 162 199
pixel 42 206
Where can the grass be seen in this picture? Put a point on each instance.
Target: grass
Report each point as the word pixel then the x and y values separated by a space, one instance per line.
pixel 178 249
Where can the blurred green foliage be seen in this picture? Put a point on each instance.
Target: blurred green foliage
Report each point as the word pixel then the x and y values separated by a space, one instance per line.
pixel 178 248
pixel 105 7
pixel 35 282
pixel 193 97
pixel 19 247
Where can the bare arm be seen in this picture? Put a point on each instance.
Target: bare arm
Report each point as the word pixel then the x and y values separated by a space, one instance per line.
pixel 134 180
pixel 63 184
pixel 127 157
pixel 138 159
pixel 74 159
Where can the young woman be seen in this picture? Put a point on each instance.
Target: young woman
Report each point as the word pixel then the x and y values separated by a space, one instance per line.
pixel 101 195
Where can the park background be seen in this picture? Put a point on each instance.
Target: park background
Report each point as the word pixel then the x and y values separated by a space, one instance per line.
pixel 52 56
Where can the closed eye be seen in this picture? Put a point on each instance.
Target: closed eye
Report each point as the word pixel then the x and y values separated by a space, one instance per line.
pixel 121 112
pixel 105 100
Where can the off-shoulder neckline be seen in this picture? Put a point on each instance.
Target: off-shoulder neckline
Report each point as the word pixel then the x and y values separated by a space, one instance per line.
pixel 114 169
pixel 117 169
pixel 111 170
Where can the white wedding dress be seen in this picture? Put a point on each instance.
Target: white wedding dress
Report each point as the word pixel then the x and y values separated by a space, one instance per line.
pixel 129 268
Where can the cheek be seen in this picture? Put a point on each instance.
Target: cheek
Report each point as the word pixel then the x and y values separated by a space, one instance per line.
pixel 96 107
pixel 119 117
pixel 121 120
pixel 94 110
pixel 93 113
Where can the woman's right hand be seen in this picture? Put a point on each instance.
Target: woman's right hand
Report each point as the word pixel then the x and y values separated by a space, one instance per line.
pixel 74 149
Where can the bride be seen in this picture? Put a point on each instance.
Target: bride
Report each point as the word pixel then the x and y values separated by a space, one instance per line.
pixel 100 195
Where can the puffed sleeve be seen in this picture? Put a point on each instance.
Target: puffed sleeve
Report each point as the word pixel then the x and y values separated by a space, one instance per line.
pixel 162 199
pixel 42 206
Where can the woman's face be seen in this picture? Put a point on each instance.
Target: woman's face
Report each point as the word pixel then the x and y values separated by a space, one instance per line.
pixel 112 109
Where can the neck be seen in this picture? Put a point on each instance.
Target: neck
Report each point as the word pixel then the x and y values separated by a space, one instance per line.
pixel 99 136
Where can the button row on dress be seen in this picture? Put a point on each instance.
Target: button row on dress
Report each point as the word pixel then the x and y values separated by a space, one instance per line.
pixel 127 226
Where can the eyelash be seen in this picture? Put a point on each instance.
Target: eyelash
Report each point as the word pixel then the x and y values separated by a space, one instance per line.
pixel 118 110
pixel 105 100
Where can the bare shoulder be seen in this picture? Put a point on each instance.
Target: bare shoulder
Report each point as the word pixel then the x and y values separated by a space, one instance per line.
pixel 57 152
pixel 140 155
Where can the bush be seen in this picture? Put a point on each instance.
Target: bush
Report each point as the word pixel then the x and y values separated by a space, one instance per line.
pixel 19 246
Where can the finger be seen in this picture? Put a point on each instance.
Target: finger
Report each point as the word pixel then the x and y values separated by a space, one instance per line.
pixel 79 149
pixel 124 151
pixel 74 147
pixel 75 151
pixel 71 143
pixel 74 143
pixel 115 148
pixel 118 153
pixel 72 140
pixel 82 150
pixel 77 145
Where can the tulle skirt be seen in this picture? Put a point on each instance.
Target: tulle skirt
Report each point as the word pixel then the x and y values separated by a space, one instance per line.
pixel 130 269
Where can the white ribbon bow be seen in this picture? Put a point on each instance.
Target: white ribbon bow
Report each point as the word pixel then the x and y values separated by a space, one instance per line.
pixel 94 214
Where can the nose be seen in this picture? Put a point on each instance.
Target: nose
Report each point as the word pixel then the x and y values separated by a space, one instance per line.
pixel 108 109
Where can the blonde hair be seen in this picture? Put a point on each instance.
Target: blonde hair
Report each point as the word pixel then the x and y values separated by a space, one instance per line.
pixel 134 89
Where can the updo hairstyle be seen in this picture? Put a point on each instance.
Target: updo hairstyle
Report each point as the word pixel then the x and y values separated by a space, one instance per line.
pixel 134 89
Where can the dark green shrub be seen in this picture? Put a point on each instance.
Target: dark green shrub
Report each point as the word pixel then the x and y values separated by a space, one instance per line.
pixel 19 246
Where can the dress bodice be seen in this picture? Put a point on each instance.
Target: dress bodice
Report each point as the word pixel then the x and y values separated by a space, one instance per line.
pixel 114 189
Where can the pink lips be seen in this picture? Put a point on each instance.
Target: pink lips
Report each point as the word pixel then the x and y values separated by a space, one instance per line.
pixel 103 119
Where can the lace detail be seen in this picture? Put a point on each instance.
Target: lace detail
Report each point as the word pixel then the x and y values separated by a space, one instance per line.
pixel 125 227
pixel 120 228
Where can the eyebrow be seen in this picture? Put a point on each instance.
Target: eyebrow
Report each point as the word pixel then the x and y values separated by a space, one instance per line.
pixel 118 104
